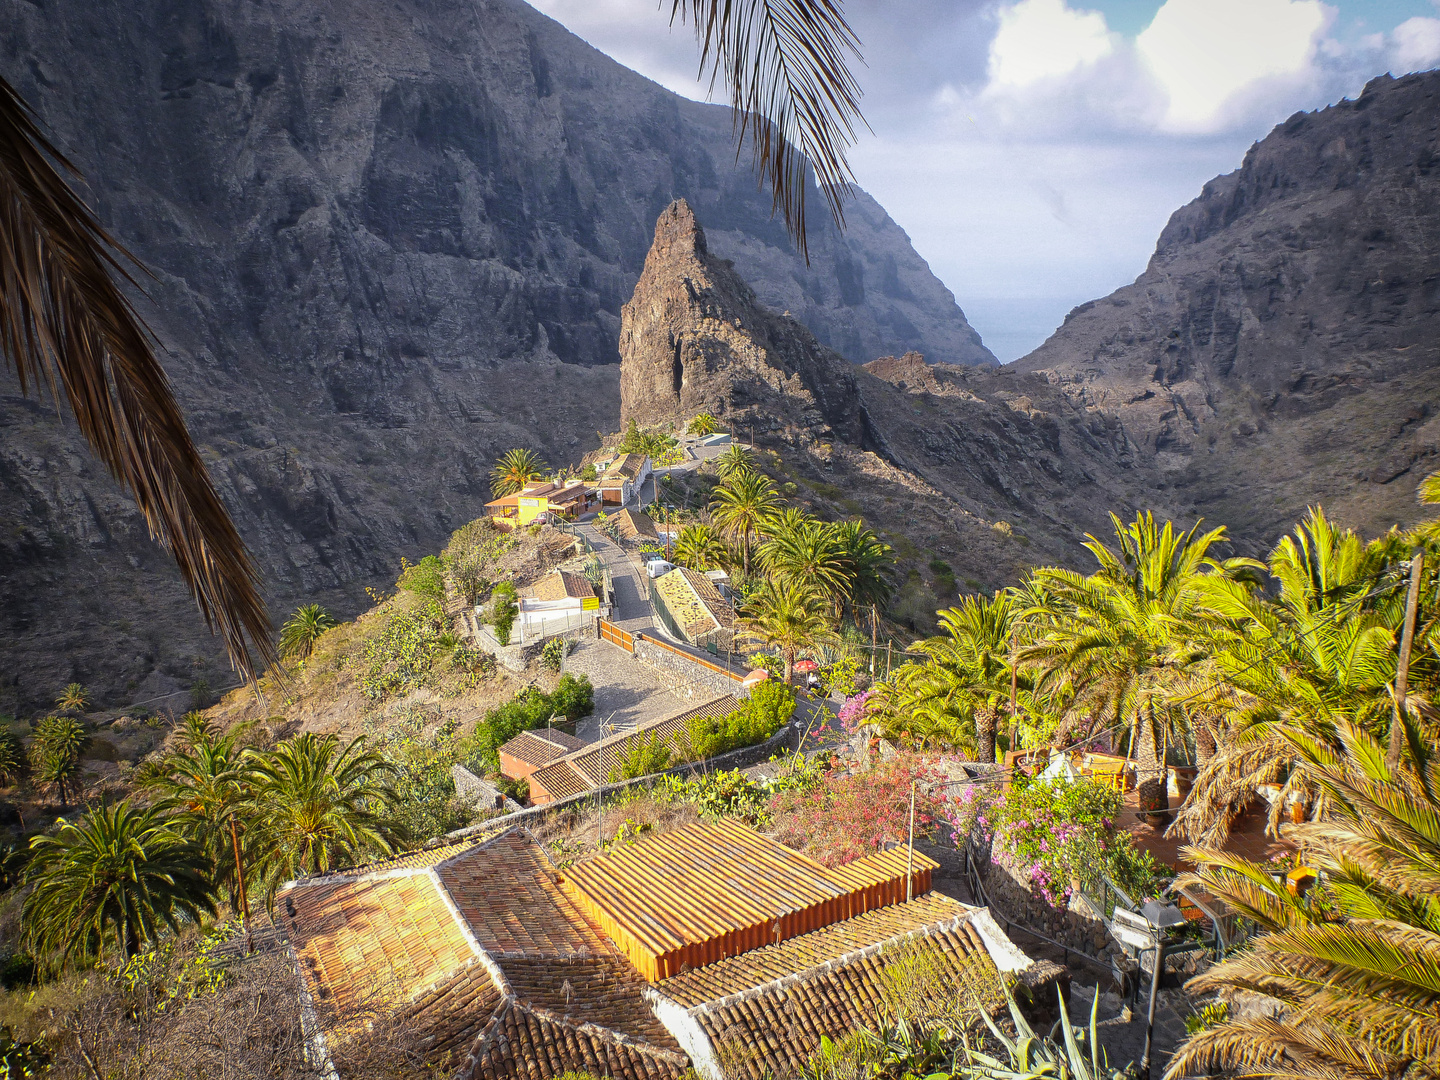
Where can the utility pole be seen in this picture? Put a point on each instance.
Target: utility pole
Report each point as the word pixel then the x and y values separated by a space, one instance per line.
pixel 240 885
pixel 1014 686
pixel 874 630
pixel 1402 672
pixel 910 853
pixel 1150 1013
pixel 888 646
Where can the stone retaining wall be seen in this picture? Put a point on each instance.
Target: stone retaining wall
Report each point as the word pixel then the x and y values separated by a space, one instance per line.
pixel 1012 897
pixel 683 676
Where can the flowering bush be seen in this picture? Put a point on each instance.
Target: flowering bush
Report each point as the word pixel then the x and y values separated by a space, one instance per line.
pixel 852 713
pixel 839 818
pixel 1057 833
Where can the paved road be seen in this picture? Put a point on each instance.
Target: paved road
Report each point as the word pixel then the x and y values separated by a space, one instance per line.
pixel 632 609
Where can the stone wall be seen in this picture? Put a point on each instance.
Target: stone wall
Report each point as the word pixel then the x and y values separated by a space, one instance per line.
pixel 1013 899
pixel 683 676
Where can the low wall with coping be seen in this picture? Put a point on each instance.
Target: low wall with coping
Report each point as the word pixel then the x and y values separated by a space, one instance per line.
pixel 1013 897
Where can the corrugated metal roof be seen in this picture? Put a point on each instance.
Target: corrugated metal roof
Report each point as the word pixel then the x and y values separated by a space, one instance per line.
pixel 709 891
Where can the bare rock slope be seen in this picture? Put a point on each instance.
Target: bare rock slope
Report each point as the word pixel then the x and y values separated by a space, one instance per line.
pixel 390 241
pixel 1283 346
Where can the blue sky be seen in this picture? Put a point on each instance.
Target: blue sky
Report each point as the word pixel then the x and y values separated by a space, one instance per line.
pixel 1033 149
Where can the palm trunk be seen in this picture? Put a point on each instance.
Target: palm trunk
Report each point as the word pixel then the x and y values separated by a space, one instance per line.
pixel 1149 769
pixel 240 886
pixel 1204 742
pixel 789 655
pixel 985 724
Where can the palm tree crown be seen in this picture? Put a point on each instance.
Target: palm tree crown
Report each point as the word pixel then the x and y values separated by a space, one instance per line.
pixel 788 615
pixel 117 875
pixel 302 630
pixel 741 506
pixel 513 471
pixel 317 806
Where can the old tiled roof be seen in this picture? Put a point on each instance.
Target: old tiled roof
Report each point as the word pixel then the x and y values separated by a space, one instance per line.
pixel 633 526
pixel 710 596
pixel 536 918
pixel 626 465
pixel 421 858
pixel 372 941
pixel 592 766
pixel 487 957
pixel 708 891
pixel 541 746
pixel 837 980
pixel 562 585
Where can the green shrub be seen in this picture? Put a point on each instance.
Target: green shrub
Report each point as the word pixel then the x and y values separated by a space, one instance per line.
pixel 647 754
pixel 759 716
pixel 18 971
pixel 571 699
pixel 425 578
pixel 473 554
pixel 506 609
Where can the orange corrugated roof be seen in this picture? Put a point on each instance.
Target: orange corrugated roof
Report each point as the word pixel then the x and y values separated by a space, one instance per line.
pixel 709 891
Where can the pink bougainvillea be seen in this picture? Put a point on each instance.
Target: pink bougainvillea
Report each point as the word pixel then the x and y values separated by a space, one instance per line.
pixel 852 713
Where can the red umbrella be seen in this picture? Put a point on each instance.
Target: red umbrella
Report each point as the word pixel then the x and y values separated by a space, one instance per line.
pixel 755 678
pixel 806 665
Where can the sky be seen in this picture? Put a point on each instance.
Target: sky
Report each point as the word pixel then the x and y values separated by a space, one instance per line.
pixel 1034 149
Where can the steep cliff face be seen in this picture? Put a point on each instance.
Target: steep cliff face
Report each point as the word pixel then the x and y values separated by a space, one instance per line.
pixel 1283 346
pixel 389 242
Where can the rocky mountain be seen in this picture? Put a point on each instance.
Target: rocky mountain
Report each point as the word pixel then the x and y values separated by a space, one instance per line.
pixel 388 242
pixel 1282 348
pixel 985 470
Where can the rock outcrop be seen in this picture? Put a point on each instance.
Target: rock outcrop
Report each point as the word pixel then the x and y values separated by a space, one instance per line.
pixel 694 338
pixel 1283 346
pixel 389 242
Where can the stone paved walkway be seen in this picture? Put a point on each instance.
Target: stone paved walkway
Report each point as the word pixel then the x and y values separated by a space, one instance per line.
pixel 627 692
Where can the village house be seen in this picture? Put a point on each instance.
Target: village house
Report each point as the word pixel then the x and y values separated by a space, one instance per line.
pixel 636 528
pixel 693 610
pixel 709 947
pixel 623 478
pixel 531 750
pixel 559 601
pixel 591 766
pixel 542 501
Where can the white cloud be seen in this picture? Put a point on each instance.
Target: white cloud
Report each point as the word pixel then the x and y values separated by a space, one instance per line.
pixel 1416 44
pixel 1044 39
pixel 1203 52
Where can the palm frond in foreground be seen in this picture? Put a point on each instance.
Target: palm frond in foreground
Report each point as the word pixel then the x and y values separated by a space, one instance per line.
pixel 65 322
pixel 794 96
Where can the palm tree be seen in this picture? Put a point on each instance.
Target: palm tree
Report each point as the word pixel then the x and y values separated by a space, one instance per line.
pixel 514 470
pixel 699 547
pixel 867 562
pixel 1125 635
pixel 55 752
pixel 788 615
pixel 704 424
pixel 115 876
pixel 205 787
pixel 733 462
pixel 11 758
pixel 1353 978
pixel 302 630
pixel 1317 654
pixel 72 699
pixel 741 507
pixel 65 323
pixel 799 548
pixel 316 806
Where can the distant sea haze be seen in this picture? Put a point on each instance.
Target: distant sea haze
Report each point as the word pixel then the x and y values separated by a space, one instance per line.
pixel 1013 326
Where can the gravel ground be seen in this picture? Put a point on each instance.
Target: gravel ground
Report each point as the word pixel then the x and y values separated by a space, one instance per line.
pixel 623 685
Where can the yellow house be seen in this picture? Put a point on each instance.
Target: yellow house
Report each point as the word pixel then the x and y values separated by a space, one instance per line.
pixel 539 501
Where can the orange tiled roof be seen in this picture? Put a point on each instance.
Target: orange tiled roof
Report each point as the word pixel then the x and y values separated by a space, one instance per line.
pixel 626 465
pixel 591 767
pixel 708 891
pixel 563 585
pixel 772 1026
pixel 541 746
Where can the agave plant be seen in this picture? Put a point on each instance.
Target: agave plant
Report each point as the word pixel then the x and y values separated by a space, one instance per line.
pixel 1078 1056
